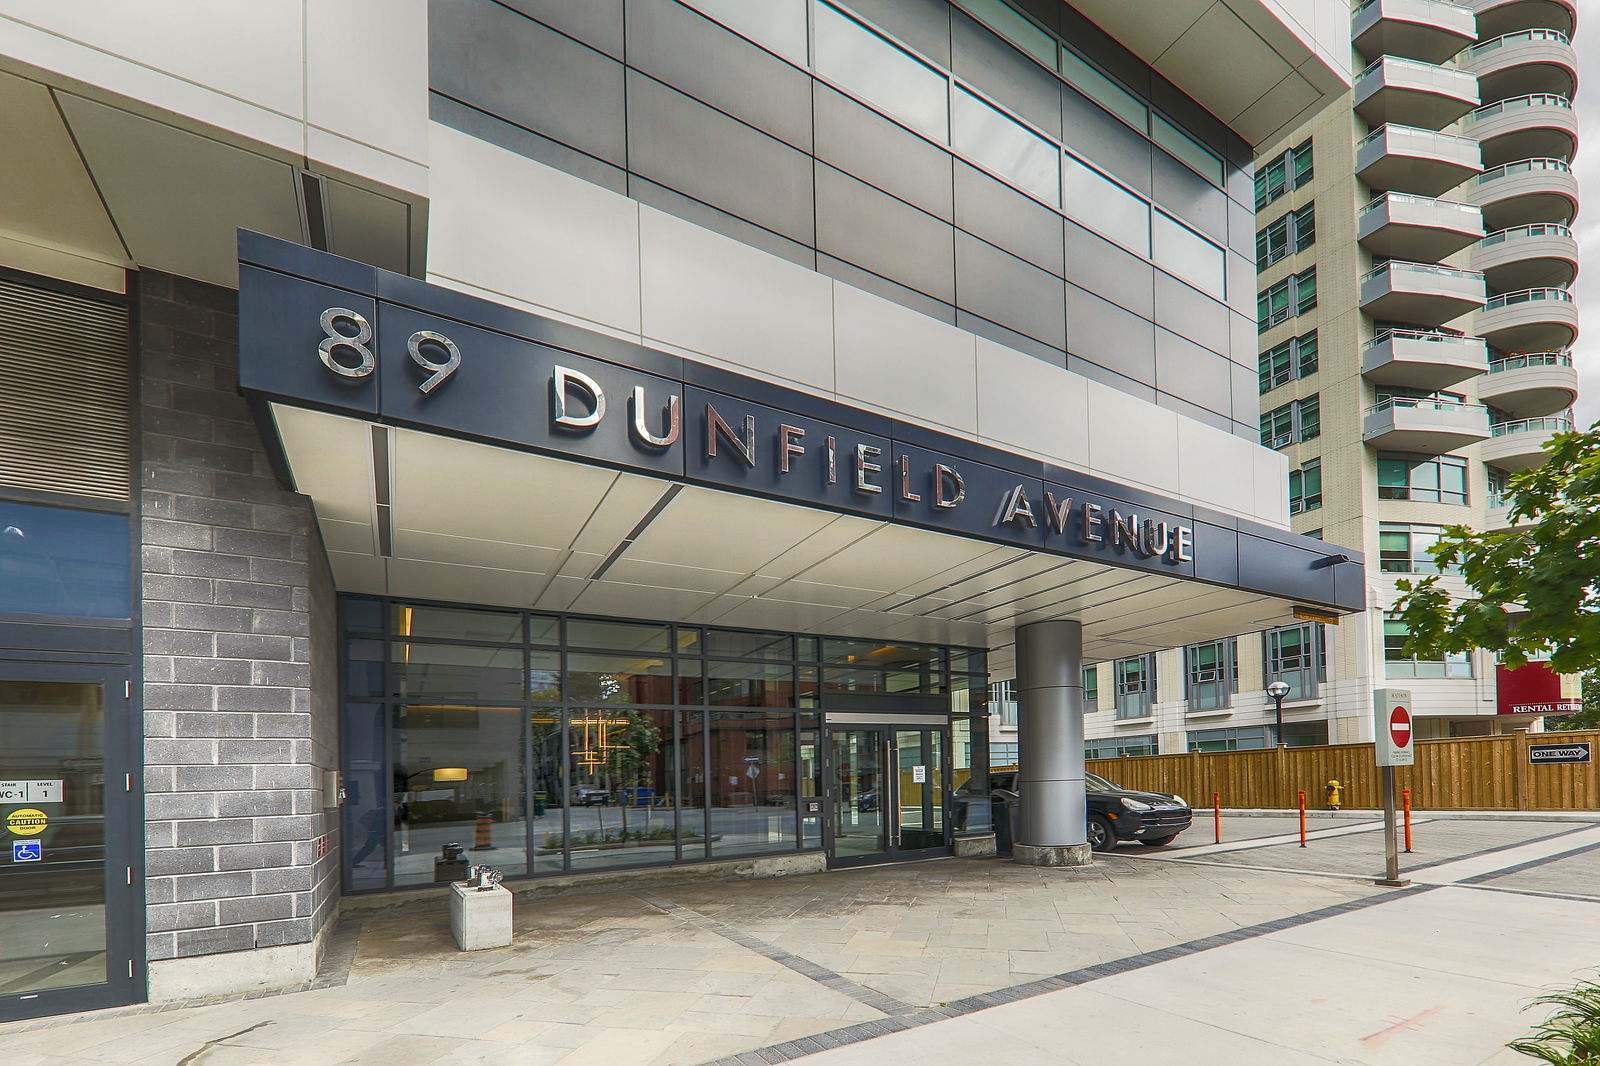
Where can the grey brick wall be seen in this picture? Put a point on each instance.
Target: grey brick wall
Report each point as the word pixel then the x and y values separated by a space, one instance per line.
pixel 240 685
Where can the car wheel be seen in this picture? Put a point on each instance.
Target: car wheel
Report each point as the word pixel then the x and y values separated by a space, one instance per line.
pixel 1102 837
pixel 1158 842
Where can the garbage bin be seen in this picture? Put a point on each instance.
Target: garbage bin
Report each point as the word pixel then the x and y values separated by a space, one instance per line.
pixel 1003 808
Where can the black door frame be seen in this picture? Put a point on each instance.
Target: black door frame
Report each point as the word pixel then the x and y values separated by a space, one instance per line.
pixel 889 790
pixel 124 883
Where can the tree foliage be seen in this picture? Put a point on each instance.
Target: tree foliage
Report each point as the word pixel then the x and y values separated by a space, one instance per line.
pixel 1532 589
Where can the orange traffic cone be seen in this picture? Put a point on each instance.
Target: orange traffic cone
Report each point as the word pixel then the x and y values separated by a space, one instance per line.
pixel 484 841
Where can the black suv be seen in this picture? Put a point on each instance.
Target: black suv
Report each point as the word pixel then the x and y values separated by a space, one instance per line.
pixel 1117 814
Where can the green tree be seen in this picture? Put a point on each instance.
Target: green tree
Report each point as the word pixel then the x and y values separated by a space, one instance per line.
pixel 1531 590
pixel 1589 717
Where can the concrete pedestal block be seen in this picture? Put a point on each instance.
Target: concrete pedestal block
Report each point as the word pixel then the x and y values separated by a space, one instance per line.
pixel 480 919
pixel 1058 855
pixel 975 847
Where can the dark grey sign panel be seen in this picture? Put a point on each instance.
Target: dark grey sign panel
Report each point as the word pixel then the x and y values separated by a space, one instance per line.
pixel 1559 753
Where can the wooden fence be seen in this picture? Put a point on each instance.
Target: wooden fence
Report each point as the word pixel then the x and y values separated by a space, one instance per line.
pixel 1467 773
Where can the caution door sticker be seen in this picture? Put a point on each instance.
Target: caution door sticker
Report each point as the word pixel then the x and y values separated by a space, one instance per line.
pixel 27 822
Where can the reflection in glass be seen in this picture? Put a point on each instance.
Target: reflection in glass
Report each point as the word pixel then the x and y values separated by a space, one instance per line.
pixel 735 645
pixel 858 825
pixel 692 815
pixel 457 673
pixel 623 636
pixel 752 782
pixel 623 788
pixel 1006 147
pixel 1181 251
pixel 458 781
pixel 776 24
pixel 1106 207
pixel 810 783
pixel 545 784
pixel 58 561
pixel 53 911
pixel 969 802
pixel 619 679
pixel 369 819
pixel 920 781
pixel 749 684
pixel 860 61
pixel 449 623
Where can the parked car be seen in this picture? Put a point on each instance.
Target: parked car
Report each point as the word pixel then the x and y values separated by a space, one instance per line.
pixel 1117 814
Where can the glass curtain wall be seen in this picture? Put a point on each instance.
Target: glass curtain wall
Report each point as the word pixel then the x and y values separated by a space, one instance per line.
pixel 544 744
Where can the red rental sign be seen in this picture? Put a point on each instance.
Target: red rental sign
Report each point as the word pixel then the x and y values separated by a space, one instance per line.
pixel 1400 727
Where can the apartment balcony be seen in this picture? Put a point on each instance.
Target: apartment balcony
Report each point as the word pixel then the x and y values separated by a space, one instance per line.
pixel 1429 30
pixel 1499 17
pixel 1530 320
pixel 1498 514
pixel 1527 191
pixel 1521 63
pixel 1414 93
pixel 1397 225
pixel 1419 359
pixel 1541 126
pixel 1544 254
pixel 1414 160
pixel 1520 445
pixel 1530 386
pixel 1421 293
pixel 1427 427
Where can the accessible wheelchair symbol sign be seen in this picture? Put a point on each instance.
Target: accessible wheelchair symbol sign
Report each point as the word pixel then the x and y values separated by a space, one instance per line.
pixel 26 851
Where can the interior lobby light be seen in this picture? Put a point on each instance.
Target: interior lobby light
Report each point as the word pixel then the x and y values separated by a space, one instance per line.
pixel 450 773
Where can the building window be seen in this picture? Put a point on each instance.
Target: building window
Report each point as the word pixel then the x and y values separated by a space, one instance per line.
pixel 1294 656
pixel 1247 738
pixel 1007 147
pixel 1136 682
pixel 1003 756
pixel 1294 295
pixel 1396 663
pixel 1091 688
pixel 851 55
pixel 1106 207
pixel 1403 548
pixel 1293 358
pixel 1295 421
pixel 1423 478
pixel 1211 674
pixel 1291 232
pixel 1003 703
pixel 1117 747
pixel 1182 252
pixel 1305 487
pixel 1289 169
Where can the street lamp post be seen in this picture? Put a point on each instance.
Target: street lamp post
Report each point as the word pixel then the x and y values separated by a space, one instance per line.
pixel 1277 690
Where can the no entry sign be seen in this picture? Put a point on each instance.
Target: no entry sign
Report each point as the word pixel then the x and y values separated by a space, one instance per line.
pixel 1392 730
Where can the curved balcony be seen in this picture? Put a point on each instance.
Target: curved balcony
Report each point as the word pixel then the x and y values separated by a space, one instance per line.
pixel 1416 160
pixel 1499 17
pixel 1527 386
pixel 1527 257
pixel 1429 30
pixel 1529 190
pixel 1401 226
pixel 1427 427
pixel 1520 445
pixel 1422 293
pixel 1532 320
pixel 1541 126
pixel 1419 359
pixel 1497 515
pixel 1517 64
pixel 1392 89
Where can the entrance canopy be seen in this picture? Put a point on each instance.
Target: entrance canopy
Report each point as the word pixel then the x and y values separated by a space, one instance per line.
pixel 458 450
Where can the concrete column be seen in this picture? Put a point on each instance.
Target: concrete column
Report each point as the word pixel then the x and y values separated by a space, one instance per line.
pixel 1051 821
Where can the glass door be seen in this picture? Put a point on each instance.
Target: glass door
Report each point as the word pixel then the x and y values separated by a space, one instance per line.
pixel 920 806
pixel 860 832
pixel 67 924
pixel 888 794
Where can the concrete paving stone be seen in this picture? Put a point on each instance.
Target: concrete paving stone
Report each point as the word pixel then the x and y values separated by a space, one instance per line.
pixel 719 1023
pixel 478 1052
pixel 692 1048
pixel 616 1047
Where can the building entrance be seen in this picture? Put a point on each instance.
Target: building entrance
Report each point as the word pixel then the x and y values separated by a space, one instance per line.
pixel 888 793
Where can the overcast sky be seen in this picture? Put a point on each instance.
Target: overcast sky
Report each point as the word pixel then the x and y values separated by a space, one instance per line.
pixel 1586 353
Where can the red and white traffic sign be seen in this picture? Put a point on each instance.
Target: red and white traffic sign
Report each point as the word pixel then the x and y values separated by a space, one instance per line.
pixel 1392 729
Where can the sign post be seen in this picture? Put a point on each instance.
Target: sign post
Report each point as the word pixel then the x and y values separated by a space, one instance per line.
pixel 1391 732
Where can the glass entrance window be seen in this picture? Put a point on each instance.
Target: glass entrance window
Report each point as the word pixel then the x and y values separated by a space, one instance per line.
pixel 52 871
pixel 919 757
pixel 624 779
pixel 858 801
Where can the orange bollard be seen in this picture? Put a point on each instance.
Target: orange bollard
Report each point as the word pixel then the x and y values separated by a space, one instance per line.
pixel 483 840
pixel 1216 807
pixel 1302 818
pixel 1405 800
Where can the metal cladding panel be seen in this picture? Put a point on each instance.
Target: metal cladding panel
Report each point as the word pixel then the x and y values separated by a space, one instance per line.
pixel 527 383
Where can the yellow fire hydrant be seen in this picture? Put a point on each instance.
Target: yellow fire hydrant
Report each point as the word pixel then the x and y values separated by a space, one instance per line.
pixel 1335 793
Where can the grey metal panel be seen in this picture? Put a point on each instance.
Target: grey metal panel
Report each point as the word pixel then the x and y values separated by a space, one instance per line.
pixel 497 60
pixel 1100 266
pixel 1117 381
pixel 1103 333
pixel 1007 290
pixel 1190 197
pixel 676 141
pixel 1185 112
pixel 996 68
pixel 1245 389
pixel 1108 142
pixel 1241 273
pixel 691 210
pixel 1010 338
pixel 1243 341
pixel 514 138
pixel 1241 230
pixel 862 142
pixel 1000 215
pixel 851 274
pixel 696 55
pixel 1193 373
pixel 1199 414
pixel 1190 313
pixel 597 23
pixel 920 24
pixel 860 224
pixel 1104 50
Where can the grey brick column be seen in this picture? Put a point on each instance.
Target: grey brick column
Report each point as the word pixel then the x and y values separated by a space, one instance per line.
pixel 240 692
